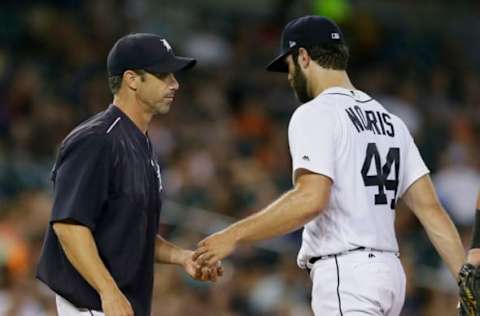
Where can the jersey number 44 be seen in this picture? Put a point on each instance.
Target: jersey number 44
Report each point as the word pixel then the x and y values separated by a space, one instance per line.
pixel 382 172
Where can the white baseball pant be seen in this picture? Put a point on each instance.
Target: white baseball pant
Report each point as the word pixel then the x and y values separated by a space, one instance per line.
pixel 359 283
pixel 65 308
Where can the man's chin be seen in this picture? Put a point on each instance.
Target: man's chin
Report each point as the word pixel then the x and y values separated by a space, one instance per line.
pixel 163 109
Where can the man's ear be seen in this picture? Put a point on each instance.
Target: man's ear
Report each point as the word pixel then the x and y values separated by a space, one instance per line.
pixel 131 79
pixel 303 57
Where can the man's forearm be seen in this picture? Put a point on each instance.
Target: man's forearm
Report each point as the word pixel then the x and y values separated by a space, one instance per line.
pixel 166 252
pixel 290 212
pixel 444 236
pixel 79 246
pixel 422 199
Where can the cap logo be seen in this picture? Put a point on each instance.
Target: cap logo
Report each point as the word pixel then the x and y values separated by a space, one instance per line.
pixel 335 36
pixel 165 43
pixel 292 43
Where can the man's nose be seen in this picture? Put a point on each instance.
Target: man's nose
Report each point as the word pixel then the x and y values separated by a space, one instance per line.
pixel 174 84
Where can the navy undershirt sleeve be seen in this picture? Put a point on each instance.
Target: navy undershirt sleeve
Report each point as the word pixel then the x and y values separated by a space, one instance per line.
pixel 81 180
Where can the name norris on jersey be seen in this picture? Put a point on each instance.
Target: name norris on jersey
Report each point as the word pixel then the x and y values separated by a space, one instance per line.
pixel 374 121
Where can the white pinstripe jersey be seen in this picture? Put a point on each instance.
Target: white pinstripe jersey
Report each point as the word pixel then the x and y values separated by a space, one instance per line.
pixel 372 160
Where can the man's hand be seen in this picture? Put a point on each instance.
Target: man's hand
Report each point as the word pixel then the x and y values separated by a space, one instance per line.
pixel 473 257
pixel 199 272
pixel 214 248
pixel 114 303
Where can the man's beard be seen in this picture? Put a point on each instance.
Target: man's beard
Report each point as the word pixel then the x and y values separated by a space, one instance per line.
pixel 299 85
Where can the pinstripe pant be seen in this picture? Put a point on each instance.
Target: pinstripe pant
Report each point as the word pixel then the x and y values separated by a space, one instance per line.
pixel 360 283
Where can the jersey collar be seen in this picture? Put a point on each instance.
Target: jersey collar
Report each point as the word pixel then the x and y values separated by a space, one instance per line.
pixel 355 94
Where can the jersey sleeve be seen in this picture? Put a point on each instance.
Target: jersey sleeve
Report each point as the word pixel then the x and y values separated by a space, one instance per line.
pixel 414 167
pixel 311 137
pixel 81 180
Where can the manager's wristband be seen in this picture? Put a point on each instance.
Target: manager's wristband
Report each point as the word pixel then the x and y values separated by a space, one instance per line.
pixel 476 230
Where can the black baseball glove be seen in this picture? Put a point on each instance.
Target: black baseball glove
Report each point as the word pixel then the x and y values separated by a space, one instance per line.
pixel 469 284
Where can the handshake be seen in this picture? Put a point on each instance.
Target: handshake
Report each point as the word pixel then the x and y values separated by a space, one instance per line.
pixel 205 262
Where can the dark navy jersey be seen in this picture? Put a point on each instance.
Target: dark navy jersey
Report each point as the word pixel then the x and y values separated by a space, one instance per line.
pixel 107 179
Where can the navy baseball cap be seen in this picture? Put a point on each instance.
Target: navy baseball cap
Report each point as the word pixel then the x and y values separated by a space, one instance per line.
pixel 305 31
pixel 149 52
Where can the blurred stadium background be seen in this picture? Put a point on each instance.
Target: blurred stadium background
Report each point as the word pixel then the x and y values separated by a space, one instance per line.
pixel 223 147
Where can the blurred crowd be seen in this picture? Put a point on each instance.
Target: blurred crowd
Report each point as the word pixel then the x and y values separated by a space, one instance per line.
pixel 223 146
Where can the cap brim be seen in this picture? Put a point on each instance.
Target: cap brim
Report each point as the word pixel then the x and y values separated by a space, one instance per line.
pixel 173 65
pixel 279 64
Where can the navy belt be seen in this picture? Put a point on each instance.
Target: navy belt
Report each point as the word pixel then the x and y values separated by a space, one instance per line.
pixel 315 259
